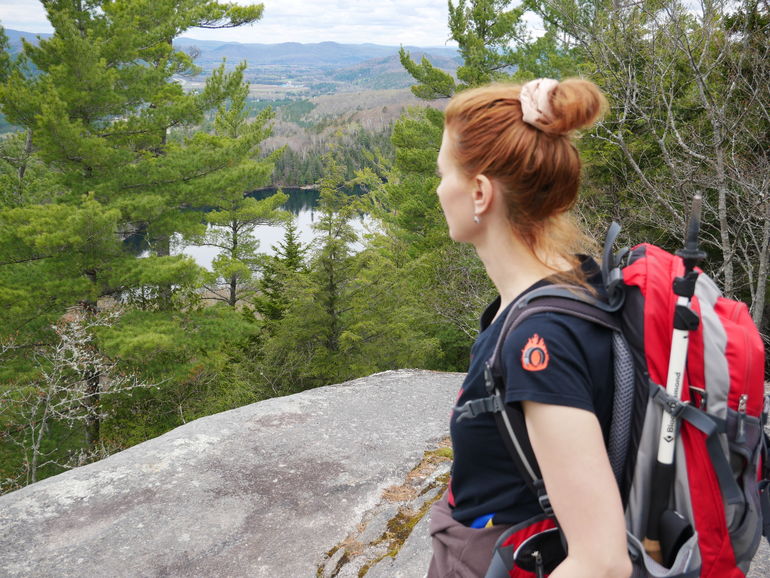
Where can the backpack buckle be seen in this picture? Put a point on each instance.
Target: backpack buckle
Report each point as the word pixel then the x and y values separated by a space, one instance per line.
pixel 542 497
pixel 489 379
pixel 673 406
pixel 545 504
pixel 475 407
pixel 702 394
pixel 670 404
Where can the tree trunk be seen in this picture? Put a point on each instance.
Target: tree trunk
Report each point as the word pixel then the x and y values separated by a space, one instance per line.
pixel 92 399
pixel 23 165
pixel 37 441
pixel 758 304
pixel 163 249
pixel 93 420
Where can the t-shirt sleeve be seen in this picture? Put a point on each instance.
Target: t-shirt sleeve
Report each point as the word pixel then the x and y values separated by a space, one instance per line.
pixel 543 360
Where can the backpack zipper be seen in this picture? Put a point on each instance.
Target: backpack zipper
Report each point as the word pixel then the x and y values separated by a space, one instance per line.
pixel 740 438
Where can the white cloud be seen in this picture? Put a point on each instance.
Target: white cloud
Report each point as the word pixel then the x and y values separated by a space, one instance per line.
pixel 26 15
pixel 411 22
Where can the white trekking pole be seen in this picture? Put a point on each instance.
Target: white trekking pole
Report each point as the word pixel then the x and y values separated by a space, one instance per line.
pixel 685 321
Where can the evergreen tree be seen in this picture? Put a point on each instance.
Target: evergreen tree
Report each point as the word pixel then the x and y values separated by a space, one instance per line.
pixel 107 149
pixel 5 57
pixel 332 266
pixel 354 312
pixel 234 216
pixel 101 106
pixel 494 44
pixel 288 260
pixel 303 349
pixel 446 281
pixel 404 200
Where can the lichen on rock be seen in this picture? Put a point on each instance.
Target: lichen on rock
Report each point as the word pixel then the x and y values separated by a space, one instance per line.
pixel 384 529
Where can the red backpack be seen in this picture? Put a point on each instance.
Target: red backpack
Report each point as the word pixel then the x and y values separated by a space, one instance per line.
pixel 708 507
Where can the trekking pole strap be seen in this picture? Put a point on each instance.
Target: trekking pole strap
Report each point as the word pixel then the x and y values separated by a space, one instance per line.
pixel 704 423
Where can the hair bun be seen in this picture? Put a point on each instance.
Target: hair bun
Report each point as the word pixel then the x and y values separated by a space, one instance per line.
pixel 575 103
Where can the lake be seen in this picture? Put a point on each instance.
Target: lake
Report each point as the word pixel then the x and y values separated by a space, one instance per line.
pixel 302 204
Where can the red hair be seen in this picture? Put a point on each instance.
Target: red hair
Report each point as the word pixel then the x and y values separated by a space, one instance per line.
pixel 538 168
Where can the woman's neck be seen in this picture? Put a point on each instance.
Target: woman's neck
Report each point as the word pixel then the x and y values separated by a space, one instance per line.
pixel 512 266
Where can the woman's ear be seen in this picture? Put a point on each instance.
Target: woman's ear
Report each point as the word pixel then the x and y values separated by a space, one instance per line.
pixel 483 194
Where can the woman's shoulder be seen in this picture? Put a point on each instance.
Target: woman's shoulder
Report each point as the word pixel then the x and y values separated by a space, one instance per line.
pixel 560 333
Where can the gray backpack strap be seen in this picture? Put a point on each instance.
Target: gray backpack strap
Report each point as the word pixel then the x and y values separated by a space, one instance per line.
pixel 567 300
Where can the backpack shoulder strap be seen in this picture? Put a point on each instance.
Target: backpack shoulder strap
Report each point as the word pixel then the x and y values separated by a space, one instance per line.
pixel 510 419
pixel 553 298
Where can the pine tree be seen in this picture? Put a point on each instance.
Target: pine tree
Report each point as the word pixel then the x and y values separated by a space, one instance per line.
pixel 332 264
pixel 234 216
pixel 108 148
pixel 104 112
pixel 446 281
pixel 487 33
pixel 287 261
pixel 495 45
pixel 353 313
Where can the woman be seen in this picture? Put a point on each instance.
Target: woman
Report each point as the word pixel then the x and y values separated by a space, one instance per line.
pixel 509 175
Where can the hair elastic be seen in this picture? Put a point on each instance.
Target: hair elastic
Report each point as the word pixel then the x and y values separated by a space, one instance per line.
pixel 535 100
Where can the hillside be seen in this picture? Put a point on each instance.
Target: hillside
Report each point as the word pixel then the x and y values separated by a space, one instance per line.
pixel 317 91
pixel 359 122
pixel 371 110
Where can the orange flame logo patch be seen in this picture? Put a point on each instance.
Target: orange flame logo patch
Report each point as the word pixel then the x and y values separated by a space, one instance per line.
pixel 534 356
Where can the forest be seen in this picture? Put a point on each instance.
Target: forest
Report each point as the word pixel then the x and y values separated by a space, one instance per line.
pixel 102 348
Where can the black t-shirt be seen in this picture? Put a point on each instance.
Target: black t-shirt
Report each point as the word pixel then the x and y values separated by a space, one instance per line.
pixel 552 358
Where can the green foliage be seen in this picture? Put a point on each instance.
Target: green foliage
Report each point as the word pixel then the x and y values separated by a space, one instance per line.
pixel 406 202
pixel 108 146
pixel 349 314
pixel 185 354
pixel 232 230
pixel 6 63
pixel 433 82
pixel 485 31
pixel 232 216
pixel 288 261
pixel 446 281
pixel 295 111
pixel 51 256
pixel 495 45
pixel 24 178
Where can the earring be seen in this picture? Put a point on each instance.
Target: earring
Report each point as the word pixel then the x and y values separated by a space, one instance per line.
pixel 476 219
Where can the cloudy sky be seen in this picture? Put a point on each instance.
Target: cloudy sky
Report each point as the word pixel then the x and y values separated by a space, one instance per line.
pixel 388 22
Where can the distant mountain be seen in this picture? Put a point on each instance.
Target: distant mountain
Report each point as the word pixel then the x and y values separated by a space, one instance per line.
pixel 15 36
pixel 330 54
pixel 324 67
